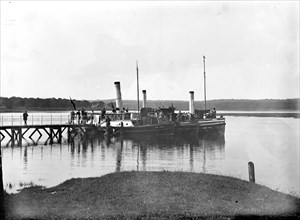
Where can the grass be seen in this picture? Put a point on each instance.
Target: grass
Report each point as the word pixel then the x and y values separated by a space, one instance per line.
pixel 158 195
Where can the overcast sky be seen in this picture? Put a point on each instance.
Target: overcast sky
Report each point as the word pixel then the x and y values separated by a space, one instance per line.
pixel 79 49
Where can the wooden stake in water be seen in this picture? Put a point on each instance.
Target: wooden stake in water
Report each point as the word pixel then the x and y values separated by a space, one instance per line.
pixel 251 172
pixel 204 83
pixel 137 82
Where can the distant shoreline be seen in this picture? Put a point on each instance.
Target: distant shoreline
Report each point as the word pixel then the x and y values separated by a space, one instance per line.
pixel 264 114
pixel 237 113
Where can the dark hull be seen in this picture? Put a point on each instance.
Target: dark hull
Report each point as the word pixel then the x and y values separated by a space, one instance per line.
pixel 201 127
pixel 157 129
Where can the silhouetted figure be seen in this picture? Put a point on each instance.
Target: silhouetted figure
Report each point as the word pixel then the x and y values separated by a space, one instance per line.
pixel 214 113
pixel 78 116
pixel 179 117
pixel 92 117
pixel 103 111
pixel 25 116
pixel 84 116
pixel 72 117
pixel 108 121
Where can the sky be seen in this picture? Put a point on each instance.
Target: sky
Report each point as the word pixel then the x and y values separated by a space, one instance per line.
pixel 79 49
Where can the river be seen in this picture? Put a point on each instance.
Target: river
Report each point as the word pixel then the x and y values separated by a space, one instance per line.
pixel 271 143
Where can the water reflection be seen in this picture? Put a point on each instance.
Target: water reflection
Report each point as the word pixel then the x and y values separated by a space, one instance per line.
pixel 49 165
pixel 173 149
pixel 25 158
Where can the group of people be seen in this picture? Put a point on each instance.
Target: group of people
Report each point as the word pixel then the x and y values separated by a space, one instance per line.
pixel 114 110
pixel 186 116
pixel 212 113
pixel 82 117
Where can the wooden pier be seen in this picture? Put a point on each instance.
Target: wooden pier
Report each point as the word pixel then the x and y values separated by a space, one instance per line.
pixel 16 133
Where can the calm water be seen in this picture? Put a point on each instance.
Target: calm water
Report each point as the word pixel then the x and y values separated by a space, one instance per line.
pixel 271 143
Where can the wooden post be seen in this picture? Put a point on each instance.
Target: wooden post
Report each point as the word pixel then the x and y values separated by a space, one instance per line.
pixel 122 125
pixel 69 132
pixel 20 136
pixel 51 136
pixel 59 135
pixel 12 137
pixel 2 209
pixel 251 172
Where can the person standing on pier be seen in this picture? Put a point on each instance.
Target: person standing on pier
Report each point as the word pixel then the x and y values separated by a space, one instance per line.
pixel 103 111
pixel 78 116
pixel 72 117
pixel 25 116
pixel 92 117
pixel 107 121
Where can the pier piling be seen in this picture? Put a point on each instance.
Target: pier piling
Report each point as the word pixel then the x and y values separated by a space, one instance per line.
pixel 121 131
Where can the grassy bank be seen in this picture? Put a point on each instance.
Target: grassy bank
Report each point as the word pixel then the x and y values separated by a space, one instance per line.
pixel 159 195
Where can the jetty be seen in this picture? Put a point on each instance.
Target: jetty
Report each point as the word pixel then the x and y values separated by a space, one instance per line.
pixel 16 133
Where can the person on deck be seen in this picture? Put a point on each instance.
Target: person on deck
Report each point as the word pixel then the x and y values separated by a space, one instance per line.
pixel 25 116
pixel 160 117
pixel 179 117
pixel 214 113
pixel 108 121
pixel 103 111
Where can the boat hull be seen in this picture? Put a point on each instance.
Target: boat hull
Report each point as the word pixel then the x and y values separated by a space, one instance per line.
pixel 201 127
pixel 157 129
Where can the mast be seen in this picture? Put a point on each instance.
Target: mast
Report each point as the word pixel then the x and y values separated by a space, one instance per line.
pixel 204 84
pixel 137 82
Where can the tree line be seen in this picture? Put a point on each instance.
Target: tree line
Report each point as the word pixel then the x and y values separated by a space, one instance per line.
pixel 46 104
pixel 17 103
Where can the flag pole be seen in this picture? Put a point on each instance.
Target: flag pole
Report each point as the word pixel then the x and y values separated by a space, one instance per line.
pixel 204 84
pixel 137 81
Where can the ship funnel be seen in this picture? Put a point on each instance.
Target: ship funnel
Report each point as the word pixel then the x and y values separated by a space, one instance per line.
pixel 144 98
pixel 191 104
pixel 119 104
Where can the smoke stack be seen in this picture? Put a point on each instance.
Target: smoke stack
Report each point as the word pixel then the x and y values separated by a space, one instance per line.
pixel 191 104
pixel 119 104
pixel 144 98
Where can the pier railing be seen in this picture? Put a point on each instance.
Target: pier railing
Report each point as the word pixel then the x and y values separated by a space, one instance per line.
pixel 7 120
